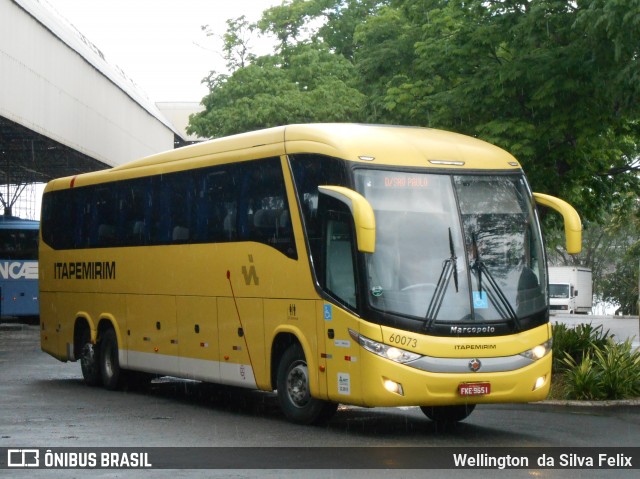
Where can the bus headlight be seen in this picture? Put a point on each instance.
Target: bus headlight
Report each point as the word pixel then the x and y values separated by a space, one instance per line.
pixel 388 352
pixel 538 352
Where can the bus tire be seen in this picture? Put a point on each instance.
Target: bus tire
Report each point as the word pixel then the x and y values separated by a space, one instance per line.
pixel 109 363
pixel 294 394
pixel 448 414
pixel 89 360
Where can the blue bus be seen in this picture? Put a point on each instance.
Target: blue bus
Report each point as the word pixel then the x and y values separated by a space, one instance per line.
pixel 18 267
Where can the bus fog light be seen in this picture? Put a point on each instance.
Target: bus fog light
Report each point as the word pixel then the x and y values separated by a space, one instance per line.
pixel 393 387
pixel 539 382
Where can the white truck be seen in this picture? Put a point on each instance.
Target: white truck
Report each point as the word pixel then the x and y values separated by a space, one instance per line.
pixel 570 289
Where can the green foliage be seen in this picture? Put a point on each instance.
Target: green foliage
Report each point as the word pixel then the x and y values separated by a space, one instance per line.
pixel 611 371
pixel 236 43
pixel 307 84
pixel 555 82
pixel 289 21
pixel 619 370
pixel 582 380
pixel 621 285
pixel 588 364
pixel 576 343
pixel 542 79
pixel 332 22
pixel 384 52
pixel 611 250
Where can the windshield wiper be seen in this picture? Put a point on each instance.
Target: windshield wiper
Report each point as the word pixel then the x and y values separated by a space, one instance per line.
pixel 449 269
pixel 454 261
pixel 494 292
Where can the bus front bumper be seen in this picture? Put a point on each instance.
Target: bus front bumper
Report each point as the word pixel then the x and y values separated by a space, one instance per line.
pixel 385 383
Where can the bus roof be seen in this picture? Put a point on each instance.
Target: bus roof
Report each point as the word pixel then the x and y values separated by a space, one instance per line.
pixel 373 144
pixel 399 146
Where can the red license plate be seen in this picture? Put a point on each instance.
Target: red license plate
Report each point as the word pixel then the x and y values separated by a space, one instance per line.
pixel 474 389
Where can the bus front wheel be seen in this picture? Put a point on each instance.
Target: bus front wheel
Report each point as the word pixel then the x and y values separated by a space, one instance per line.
pixel 448 414
pixel 294 394
pixel 109 363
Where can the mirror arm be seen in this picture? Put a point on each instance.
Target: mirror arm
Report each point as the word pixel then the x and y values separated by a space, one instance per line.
pixel 572 223
pixel 362 213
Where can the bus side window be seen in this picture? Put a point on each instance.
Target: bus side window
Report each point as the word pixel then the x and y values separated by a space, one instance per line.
pixel 181 200
pixel 340 279
pixel 263 208
pixel 216 205
pixel 59 224
pixel 133 200
pixel 103 217
pixel 81 209
pixel 338 272
pixel 309 171
pixel 160 221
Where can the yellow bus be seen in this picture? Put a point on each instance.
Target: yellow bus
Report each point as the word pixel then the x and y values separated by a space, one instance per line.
pixel 335 263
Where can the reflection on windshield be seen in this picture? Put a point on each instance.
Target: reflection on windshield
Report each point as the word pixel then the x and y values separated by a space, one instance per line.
pixel 482 228
pixel 498 216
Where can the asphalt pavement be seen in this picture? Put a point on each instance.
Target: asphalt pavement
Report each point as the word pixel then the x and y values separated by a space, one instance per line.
pixel 45 404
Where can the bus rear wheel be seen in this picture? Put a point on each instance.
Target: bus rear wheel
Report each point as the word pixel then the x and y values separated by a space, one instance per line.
pixel 89 363
pixel 448 414
pixel 294 394
pixel 109 363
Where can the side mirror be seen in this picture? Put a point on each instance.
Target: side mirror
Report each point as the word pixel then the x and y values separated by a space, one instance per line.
pixel 572 223
pixel 362 212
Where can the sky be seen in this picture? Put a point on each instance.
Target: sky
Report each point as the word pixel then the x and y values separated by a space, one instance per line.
pixel 159 44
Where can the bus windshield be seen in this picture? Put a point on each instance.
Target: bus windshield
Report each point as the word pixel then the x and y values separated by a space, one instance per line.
pixel 453 248
pixel 559 290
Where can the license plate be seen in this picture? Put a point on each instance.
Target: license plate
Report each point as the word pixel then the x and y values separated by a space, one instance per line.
pixel 474 389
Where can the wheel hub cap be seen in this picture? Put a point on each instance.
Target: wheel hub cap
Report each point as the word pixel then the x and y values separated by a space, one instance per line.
pixel 298 385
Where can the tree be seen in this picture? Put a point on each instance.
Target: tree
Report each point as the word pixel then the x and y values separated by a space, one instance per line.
pixel 611 249
pixel 236 43
pixel 619 279
pixel 621 285
pixel 309 77
pixel 305 83
pixel 383 55
pixel 555 82
pixel 332 22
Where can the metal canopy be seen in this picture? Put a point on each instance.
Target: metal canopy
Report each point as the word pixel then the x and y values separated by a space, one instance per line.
pixel 28 157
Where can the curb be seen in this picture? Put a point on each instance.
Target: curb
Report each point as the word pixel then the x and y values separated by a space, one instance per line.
pixel 607 403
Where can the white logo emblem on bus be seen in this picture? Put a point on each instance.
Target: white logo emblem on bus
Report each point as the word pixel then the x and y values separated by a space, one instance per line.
pixel 475 365
pixel 19 270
